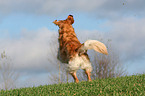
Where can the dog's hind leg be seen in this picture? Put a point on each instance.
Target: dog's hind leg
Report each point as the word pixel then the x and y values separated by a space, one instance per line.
pixel 88 73
pixel 75 77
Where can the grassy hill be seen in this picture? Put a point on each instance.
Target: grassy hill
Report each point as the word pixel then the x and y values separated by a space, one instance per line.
pixel 128 85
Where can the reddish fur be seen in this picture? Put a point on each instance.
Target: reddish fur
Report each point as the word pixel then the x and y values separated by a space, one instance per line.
pixel 68 42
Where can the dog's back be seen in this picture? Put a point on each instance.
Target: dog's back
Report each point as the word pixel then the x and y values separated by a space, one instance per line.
pixel 68 42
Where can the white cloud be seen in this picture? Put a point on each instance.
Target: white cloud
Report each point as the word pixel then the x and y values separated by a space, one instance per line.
pixel 30 52
pixel 101 9
pixel 128 35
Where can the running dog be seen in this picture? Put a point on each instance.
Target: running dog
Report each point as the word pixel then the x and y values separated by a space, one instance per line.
pixel 72 52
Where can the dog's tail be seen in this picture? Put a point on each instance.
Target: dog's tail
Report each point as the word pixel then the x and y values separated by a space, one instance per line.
pixel 93 44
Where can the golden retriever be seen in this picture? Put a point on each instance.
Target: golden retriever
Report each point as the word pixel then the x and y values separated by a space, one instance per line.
pixel 72 52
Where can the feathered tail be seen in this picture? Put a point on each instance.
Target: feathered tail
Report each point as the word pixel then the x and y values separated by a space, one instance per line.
pixel 93 44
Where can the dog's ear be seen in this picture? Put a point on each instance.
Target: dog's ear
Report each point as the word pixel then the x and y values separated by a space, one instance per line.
pixel 70 17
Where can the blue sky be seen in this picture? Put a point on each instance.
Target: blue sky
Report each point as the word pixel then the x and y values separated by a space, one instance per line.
pixel 26 29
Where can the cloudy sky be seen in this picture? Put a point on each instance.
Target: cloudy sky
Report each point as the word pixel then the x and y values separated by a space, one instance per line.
pixel 26 31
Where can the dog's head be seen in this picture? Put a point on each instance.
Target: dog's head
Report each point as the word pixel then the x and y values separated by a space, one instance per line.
pixel 69 20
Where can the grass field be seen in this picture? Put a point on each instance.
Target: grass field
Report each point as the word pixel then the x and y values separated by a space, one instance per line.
pixel 126 86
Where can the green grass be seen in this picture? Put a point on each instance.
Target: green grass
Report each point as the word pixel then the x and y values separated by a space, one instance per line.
pixel 126 86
